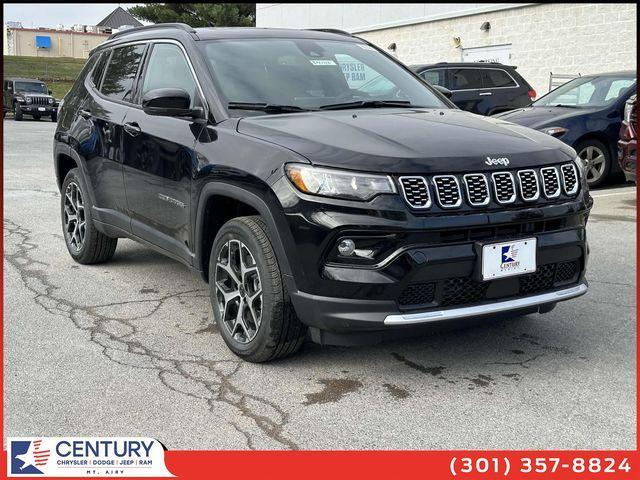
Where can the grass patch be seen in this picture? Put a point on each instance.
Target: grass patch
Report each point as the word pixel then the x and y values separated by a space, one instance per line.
pixel 58 73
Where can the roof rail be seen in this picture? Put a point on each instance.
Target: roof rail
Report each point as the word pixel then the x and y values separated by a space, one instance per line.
pixel 181 26
pixel 331 30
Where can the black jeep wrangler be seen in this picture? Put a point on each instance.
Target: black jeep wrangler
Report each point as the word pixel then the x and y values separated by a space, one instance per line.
pixel 26 96
pixel 310 197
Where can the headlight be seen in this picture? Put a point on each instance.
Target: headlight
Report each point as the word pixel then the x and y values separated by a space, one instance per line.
pixel 328 182
pixel 581 167
pixel 29 100
pixel 554 131
pixel 51 101
pixel 20 99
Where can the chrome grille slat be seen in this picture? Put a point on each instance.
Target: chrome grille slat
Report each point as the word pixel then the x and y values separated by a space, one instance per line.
pixel 39 101
pixel 504 187
pixel 569 178
pixel 447 191
pixel 477 189
pixel 415 191
pixel 529 187
pixel 550 182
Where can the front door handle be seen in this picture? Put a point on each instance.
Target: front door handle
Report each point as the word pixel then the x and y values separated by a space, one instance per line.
pixel 85 113
pixel 485 94
pixel 132 128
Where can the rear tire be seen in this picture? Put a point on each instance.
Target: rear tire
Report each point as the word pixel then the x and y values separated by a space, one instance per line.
pixel 250 303
pixel 84 242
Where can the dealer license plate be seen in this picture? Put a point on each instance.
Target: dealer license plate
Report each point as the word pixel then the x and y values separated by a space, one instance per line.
pixel 41 109
pixel 508 259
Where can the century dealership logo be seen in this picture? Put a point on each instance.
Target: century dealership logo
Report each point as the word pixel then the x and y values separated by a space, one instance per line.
pixel 81 457
pixel 509 258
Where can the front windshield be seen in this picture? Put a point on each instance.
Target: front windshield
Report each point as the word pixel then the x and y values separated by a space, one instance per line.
pixel 587 92
pixel 31 87
pixel 311 74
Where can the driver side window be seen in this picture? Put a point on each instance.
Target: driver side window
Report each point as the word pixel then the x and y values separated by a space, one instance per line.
pixel 168 68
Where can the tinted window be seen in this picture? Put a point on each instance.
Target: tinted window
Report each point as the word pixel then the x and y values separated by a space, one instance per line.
pixel 168 68
pixel 434 77
pixel 96 75
pixel 31 87
pixel 465 78
pixel 309 73
pixel 617 87
pixel 497 78
pixel 121 71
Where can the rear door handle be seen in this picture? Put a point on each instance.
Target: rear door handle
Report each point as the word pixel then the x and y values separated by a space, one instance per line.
pixel 132 128
pixel 85 113
pixel 485 94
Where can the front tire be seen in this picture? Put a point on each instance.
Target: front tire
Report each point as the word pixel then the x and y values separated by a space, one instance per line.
pixel 84 242
pixel 597 160
pixel 17 113
pixel 249 299
pixel 54 117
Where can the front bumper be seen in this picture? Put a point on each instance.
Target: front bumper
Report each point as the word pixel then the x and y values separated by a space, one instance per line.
pixel 38 109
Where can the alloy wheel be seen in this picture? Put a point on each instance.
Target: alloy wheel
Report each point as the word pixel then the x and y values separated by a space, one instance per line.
pixel 74 217
pixel 594 161
pixel 238 291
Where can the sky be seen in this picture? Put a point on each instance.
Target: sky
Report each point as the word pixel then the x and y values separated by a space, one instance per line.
pixel 51 14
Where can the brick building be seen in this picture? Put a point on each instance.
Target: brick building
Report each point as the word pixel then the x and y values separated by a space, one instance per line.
pixel 568 39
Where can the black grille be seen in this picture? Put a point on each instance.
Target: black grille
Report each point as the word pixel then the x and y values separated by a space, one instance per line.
pixel 447 191
pixel 567 271
pixel 569 178
pixel 504 187
pixel 39 101
pixel 477 189
pixel 539 281
pixel 462 290
pixel 417 294
pixel 550 182
pixel 416 191
pixel 528 185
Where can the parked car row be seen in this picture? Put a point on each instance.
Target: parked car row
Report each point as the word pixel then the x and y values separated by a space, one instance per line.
pixel 28 96
pixel 585 113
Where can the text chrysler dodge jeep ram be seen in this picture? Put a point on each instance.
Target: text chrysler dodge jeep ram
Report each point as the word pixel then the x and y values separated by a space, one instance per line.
pixel 306 198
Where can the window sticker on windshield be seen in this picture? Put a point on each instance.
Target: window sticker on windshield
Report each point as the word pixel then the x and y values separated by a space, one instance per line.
pixel 365 47
pixel 322 62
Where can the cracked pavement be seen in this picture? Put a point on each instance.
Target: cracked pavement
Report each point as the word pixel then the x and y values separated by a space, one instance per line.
pixel 129 348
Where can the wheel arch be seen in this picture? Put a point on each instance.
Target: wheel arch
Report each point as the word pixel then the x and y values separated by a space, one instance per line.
pixel 601 137
pixel 243 203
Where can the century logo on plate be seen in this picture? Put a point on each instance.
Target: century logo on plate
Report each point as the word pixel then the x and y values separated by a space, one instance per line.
pixel 86 456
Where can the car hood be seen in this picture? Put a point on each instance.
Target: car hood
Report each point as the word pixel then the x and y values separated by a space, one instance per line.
pixel 406 140
pixel 538 117
pixel 32 94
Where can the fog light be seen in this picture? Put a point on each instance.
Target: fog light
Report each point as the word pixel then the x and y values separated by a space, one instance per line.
pixel 346 247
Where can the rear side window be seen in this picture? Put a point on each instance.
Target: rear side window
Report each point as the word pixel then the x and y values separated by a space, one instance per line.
pixel 465 79
pixel 497 78
pixel 121 72
pixel 168 68
pixel 96 75
pixel 435 77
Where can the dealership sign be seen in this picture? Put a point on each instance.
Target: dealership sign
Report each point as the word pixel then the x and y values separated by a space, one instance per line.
pixel 81 457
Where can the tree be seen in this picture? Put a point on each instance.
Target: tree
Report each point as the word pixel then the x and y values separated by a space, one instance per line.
pixel 198 14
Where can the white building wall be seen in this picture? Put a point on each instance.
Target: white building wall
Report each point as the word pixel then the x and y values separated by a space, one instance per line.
pixel 544 38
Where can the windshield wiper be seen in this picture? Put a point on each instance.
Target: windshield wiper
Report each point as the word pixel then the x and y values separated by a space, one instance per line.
pixel 266 107
pixel 562 105
pixel 369 104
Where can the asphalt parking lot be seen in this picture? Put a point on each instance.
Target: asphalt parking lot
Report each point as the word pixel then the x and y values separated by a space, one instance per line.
pixel 130 348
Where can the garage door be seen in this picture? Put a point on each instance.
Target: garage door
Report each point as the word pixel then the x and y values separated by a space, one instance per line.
pixel 495 53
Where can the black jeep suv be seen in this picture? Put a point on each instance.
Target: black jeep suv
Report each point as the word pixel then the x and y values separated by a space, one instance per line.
pixel 308 204
pixel 26 96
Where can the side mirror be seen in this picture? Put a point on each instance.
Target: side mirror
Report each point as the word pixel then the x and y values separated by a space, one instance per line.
pixel 50 92
pixel 443 90
pixel 168 102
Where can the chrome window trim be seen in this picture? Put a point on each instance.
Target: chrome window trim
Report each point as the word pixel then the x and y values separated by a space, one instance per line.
pixel 535 175
pixel 435 186
pixel 404 194
pixel 486 309
pixel 486 184
pixel 512 199
pixel 564 182
pixel 544 187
